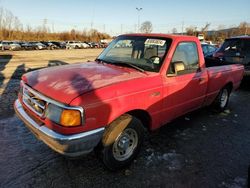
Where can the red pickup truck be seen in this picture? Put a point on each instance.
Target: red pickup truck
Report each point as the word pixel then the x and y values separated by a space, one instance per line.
pixel 139 82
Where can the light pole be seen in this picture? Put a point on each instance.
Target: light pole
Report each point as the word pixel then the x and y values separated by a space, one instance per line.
pixel 138 26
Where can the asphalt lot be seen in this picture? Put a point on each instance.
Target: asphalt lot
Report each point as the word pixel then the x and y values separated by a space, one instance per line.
pixel 201 149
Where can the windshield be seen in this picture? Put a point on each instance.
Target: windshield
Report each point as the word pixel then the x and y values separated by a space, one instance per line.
pixel 146 53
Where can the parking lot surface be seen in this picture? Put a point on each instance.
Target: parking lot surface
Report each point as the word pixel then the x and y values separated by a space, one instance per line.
pixel 201 149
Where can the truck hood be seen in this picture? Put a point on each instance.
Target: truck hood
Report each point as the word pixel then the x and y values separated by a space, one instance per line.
pixel 64 83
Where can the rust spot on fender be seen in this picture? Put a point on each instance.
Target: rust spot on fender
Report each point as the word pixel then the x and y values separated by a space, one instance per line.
pixel 115 128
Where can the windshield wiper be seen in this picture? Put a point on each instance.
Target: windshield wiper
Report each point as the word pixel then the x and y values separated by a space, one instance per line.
pixel 120 63
pixel 129 64
pixel 103 61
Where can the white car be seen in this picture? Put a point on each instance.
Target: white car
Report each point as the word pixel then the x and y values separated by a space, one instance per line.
pixel 85 45
pixel 73 45
pixel 8 45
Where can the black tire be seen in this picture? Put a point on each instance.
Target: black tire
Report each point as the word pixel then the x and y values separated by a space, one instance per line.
pixel 110 157
pixel 221 101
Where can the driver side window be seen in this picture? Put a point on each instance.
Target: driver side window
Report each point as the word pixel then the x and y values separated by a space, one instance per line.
pixel 185 59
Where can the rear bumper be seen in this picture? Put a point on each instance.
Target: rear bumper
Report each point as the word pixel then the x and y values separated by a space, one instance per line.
pixel 69 145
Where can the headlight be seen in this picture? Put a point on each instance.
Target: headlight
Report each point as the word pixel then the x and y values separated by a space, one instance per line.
pixel 53 112
pixel 64 117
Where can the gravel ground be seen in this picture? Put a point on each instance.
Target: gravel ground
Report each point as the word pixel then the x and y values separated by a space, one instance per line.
pixel 201 149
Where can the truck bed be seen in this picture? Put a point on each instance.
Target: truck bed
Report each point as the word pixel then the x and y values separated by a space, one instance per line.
pixel 212 62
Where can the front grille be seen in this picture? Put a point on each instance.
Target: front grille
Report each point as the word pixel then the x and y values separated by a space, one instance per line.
pixel 33 102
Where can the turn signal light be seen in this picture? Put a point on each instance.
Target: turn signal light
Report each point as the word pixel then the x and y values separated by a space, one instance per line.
pixel 70 118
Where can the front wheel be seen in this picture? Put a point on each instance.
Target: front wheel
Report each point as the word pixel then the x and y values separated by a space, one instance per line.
pixel 222 99
pixel 125 147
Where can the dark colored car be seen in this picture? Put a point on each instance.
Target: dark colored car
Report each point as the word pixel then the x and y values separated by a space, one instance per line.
pixel 61 45
pixel 50 45
pixel 94 45
pixel 208 50
pixel 236 50
pixel 26 46
pixel 38 45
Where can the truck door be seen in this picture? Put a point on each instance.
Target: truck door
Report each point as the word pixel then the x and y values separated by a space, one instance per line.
pixel 185 83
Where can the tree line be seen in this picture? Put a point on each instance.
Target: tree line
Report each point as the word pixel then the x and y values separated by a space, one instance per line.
pixel 11 28
pixel 221 33
pixel 218 35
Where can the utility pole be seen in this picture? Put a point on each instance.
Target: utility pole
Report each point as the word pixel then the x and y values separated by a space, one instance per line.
pixel 182 26
pixel 138 26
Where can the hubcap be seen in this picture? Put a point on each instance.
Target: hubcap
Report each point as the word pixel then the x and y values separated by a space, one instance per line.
pixel 224 98
pixel 125 144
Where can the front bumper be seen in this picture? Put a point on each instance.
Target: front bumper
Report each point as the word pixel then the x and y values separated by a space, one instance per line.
pixel 69 145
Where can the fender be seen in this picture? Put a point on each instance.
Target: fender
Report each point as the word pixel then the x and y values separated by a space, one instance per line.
pixel 115 128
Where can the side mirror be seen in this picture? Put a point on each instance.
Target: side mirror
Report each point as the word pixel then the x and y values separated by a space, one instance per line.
pixel 176 67
pixel 179 66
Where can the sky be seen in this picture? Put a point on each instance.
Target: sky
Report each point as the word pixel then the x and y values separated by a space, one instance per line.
pixel 117 16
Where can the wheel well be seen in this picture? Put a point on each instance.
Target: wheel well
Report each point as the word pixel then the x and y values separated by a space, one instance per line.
pixel 143 116
pixel 229 85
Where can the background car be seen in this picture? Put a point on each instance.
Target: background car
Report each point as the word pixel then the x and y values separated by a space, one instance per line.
pixel 236 50
pixel 84 45
pixel 61 45
pixel 38 45
pixel 73 45
pixel 5 45
pixel 208 50
pixel 50 45
pixel 26 46
pixel 10 45
pixel 94 45
pixel 15 46
pixel 103 44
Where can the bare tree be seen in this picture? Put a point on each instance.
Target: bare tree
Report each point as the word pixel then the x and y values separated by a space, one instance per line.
pixel 205 28
pixel 12 29
pixel 221 34
pixel 191 30
pixel 1 17
pixel 243 28
pixel 1 22
pixel 146 27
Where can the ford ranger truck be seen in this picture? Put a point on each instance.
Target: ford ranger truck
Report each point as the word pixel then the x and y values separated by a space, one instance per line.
pixel 139 82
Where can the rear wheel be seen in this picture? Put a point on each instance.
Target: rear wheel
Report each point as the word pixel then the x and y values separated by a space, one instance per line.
pixel 126 146
pixel 222 99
